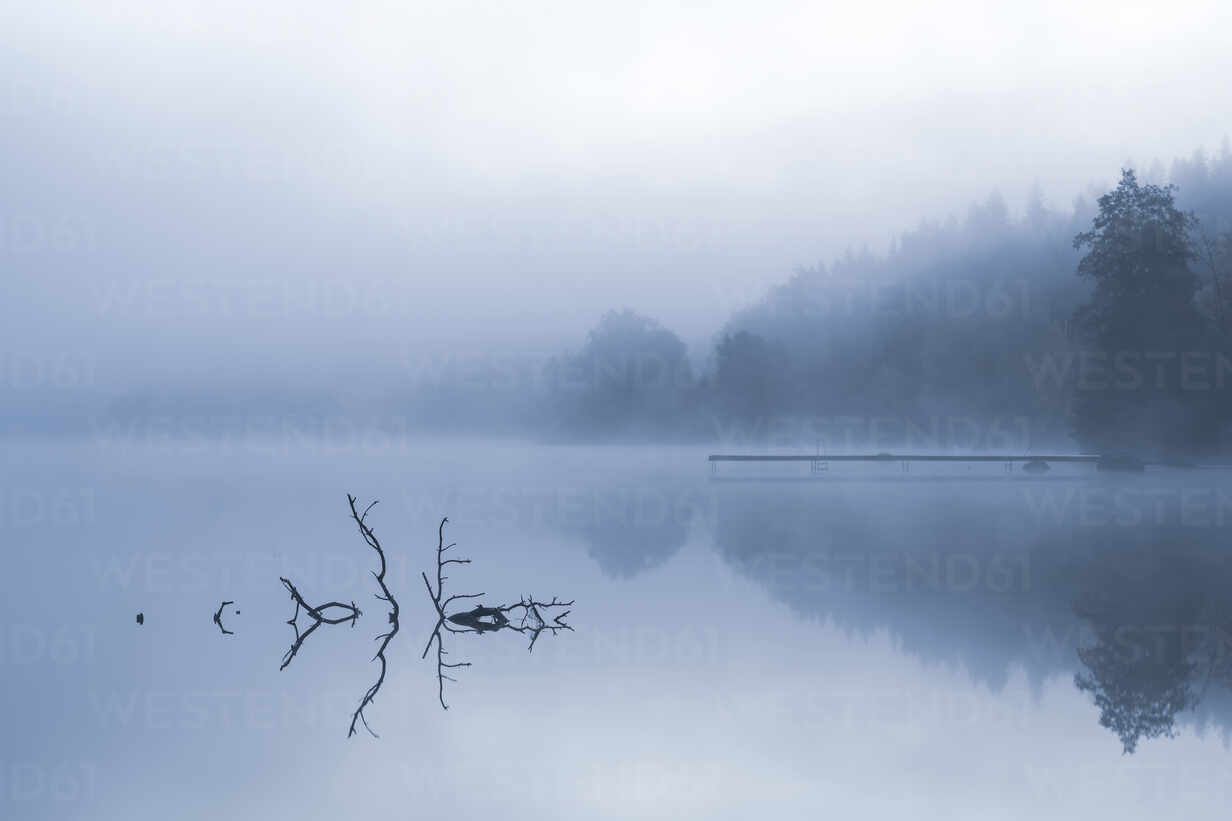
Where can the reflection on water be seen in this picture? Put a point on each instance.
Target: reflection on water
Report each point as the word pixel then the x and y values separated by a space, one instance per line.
pixel 1159 607
pixel 1130 584
pixel 634 537
pixel 528 612
pixel 854 646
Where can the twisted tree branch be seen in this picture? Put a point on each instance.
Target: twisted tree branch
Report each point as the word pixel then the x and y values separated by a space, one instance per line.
pixel 384 595
pixel 533 621
pixel 318 615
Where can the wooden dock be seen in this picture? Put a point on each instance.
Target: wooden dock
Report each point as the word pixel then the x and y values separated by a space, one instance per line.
pixel 1029 463
pixel 901 457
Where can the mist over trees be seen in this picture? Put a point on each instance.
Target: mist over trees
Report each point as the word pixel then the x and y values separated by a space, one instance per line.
pixel 631 378
pixel 936 328
pixel 1105 326
pixel 1108 324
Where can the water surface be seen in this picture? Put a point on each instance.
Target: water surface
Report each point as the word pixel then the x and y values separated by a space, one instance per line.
pixel 861 644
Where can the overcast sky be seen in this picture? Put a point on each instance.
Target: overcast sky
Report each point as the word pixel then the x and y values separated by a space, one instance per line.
pixel 191 187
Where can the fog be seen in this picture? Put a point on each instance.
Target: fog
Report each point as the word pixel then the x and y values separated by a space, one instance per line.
pixel 219 194
pixel 830 409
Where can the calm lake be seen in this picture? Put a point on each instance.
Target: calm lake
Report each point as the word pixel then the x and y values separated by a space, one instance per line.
pixel 863 645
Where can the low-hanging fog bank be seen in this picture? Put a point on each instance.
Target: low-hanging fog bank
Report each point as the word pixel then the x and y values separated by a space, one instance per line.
pixel 1109 323
pixel 964 334
pixel 222 216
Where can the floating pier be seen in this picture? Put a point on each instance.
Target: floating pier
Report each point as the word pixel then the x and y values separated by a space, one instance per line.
pixel 1028 463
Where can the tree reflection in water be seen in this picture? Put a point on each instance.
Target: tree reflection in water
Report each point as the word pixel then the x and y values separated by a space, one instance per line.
pixel 1138 615
pixel 1160 619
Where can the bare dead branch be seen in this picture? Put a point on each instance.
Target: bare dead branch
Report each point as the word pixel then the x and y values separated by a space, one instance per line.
pixel 319 616
pixel 384 595
pixel 481 619
pixel 218 619
pixel 441 618
pixel 533 621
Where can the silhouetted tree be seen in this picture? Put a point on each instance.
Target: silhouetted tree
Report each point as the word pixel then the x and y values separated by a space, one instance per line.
pixel 631 377
pixel 1140 325
pixel 749 372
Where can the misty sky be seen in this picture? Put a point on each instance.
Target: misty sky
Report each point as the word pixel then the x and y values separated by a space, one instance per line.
pixel 237 238
pixel 199 190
